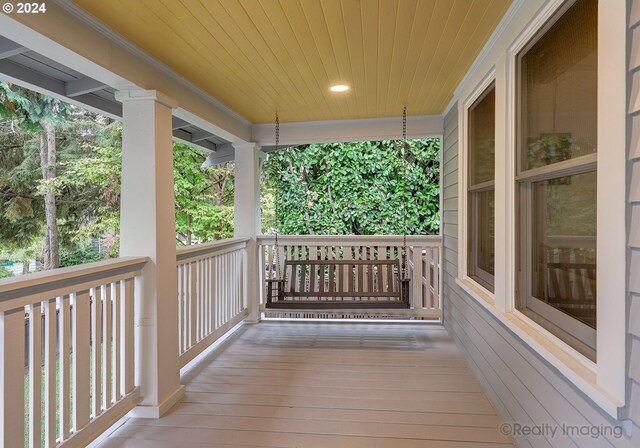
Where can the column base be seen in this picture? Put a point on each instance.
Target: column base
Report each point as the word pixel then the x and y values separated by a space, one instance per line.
pixel 142 411
pixel 249 321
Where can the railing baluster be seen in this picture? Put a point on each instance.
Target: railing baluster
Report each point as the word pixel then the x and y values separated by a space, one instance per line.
pixel 237 284
pixel 216 294
pixel 81 394
pixel 127 338
pixel 117 292
pixel 35 375
pixel 437 253
pixel 416 279
pixel 12 377
pixel 186 284
pixel 207 296
pixel 192 303
pixel 50 373
pixel 64 318
pixel 106 346
pixel 180 316
pixel 227 281
pixel 428 261
pixel 237 280
pixel 96 358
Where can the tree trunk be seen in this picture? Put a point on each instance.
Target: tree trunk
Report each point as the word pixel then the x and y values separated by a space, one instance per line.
pixel 188 236
pixel 48 166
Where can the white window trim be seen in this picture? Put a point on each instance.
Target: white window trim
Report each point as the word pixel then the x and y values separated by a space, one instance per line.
pixel 604 381
pixel 463 181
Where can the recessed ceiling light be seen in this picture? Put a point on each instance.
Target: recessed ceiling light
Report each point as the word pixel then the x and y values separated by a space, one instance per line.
pixel 339 88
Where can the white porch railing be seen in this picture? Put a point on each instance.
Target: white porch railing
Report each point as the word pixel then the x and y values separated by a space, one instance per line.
pixel 424 262
pixel 73 329
pixel 211 285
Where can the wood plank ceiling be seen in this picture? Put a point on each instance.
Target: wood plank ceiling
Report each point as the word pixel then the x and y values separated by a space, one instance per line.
pixel 259 56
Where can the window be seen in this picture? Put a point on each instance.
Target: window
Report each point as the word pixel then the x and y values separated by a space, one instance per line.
pixel 481 188
pixel 556 176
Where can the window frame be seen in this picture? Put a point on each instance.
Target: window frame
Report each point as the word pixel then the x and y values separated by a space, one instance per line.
pixel 475 273
pixel 603 381
pixel 467 227
pixel 526 179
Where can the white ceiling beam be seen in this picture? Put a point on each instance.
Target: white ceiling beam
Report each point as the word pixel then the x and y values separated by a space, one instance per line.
pixel 30 79
pixel 201 135
pixel 82 86
pixel 10 48
pixel 177 123
pixel 38 82
pixel 185 137
pixel 104 106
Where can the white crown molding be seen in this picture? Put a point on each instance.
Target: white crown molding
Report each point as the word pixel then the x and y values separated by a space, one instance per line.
pixel 118 39
pixel 452 103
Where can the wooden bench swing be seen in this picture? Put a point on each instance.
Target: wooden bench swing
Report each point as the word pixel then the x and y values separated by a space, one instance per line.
pixel 340 284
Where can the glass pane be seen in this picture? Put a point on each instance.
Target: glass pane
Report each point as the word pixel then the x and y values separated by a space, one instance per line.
pixel 559 89
pixel 564 245
pixel 482 135
pixel 482 237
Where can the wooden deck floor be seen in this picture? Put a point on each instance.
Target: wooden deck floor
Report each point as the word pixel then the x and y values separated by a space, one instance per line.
pixel 324 386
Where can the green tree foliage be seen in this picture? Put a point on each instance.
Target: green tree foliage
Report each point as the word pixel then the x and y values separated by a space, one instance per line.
pixel 204 197
pixel 86 186
pixel 361 188
pixel 84 208
pixel 35 112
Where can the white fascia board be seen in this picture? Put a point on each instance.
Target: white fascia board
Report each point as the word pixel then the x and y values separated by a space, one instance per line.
pixel 331 131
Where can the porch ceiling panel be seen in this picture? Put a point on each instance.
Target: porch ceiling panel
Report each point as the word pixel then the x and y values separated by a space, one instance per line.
pixel 259 56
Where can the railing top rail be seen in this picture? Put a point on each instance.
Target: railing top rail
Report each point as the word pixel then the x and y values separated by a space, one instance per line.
pixel 64 278
pixel 187 252
pixel 362 240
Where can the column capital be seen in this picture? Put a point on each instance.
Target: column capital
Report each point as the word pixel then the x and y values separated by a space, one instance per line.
pixel 125 96
pixel 246 145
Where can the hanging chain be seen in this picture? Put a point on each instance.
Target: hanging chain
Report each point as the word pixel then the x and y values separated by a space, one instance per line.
pixel 276 246
pixel 404 192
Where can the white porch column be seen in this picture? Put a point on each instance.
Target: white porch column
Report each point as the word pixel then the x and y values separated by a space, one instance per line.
pixel 246 217
pixel 147 228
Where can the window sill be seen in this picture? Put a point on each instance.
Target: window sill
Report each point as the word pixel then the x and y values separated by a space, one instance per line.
pixel 575 367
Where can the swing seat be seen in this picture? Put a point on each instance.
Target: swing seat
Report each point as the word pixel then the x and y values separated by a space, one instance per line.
pixel 339 284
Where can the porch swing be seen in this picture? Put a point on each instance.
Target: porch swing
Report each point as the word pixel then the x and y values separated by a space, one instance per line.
pixel 346 279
